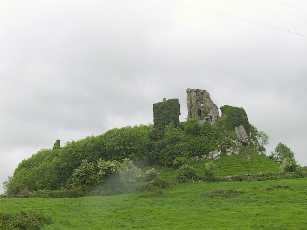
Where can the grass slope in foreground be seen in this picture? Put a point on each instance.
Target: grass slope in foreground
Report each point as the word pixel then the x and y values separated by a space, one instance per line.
pixel 234 205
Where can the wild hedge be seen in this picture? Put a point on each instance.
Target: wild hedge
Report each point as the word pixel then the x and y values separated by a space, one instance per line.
pixel 55 169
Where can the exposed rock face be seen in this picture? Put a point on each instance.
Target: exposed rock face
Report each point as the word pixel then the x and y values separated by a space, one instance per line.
pixel 201 107
pixel 242 134
pixel 166 112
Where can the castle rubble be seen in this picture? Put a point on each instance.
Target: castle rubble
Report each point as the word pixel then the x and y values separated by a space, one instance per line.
pixel 201 107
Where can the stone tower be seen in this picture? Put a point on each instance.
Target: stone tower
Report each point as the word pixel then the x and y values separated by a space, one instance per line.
pixel 166 112
pixel 201 107
pixel 57 145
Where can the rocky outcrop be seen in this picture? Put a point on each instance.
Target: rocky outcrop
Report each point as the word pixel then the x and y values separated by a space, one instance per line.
pixel 201 107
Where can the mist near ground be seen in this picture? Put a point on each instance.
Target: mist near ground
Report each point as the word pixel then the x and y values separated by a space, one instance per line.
pixel 71 69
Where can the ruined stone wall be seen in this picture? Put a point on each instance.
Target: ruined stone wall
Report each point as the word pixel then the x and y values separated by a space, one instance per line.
pixel 166 112
pixel 57 145
pixel 233 117
pixel 200 106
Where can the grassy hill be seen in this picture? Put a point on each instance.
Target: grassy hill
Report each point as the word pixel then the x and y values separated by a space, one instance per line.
pixel 228 205
pixel 122 161
pixel 234 165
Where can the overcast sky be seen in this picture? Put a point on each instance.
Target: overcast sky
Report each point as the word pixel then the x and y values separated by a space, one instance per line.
pixel 72 68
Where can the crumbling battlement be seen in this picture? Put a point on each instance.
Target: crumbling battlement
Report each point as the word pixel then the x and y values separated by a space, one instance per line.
pixel 166 112
pixel 201 107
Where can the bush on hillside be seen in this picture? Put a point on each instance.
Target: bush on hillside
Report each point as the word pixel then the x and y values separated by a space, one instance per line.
pixel 187 173
pixel 289 165
pixel 282 152
pixel 86 175
pixel 150 175
pixel 209 171
pixel 23 221
pixel 233 117
pixel 53 169
pixel 155 185
pixel 180 161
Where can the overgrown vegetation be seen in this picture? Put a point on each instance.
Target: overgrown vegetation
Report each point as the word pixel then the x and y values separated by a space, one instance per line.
pixel 233 117
pixel 113 162
pixel 285 156
pixel 166 112
pixel 23 221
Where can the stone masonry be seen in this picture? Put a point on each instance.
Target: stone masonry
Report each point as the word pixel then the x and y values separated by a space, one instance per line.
pixel 166 112
pixel 201 107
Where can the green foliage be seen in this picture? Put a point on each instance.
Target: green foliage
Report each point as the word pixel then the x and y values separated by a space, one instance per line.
pixel 53 169
pixel 23 221
pixel 150 175
pixel 289 165
pixel 282 152
pixel 263 139
pixel 192 128
pixel 90 174
pixel 242 164
pixel 187 173
pixel 76 165
pixel 284 155
pixel 209 171
pixel 155 187
pixel 86 175
pixel 233 117
pixel 180 161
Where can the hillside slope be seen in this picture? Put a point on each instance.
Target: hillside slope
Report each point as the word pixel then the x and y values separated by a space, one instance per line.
pixel 234 205
pixel 233 165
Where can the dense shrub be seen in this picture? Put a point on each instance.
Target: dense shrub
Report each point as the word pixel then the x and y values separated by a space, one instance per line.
pixel 187 173
pixel 23 221
pixel 86 175
pixel 76 165
pixel 90 174
pixel 155 185
pixel 288 165
pixel 233 117
pixel 150 175
pixel 53 169
pixel 180 161
pixel 209 172
pixel 282 152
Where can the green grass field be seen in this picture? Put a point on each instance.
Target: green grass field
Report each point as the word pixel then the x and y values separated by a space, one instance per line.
pixel 234 165
pixel 229 205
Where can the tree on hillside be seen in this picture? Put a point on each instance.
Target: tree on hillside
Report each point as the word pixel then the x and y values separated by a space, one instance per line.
pixel 284 155
pixel 263 139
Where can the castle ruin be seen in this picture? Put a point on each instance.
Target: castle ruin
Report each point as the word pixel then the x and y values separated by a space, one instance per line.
pixel 166 112
pixel 201 107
